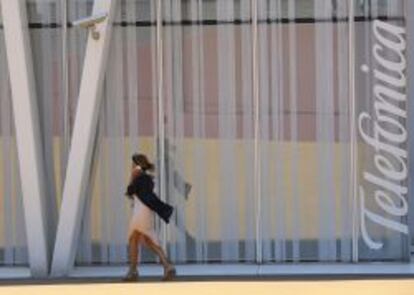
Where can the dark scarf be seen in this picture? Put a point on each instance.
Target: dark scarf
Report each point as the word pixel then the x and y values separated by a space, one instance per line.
pixel 143 188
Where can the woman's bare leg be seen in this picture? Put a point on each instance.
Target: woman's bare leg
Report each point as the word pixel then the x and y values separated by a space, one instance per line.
pixel 169 270
pixel 133 256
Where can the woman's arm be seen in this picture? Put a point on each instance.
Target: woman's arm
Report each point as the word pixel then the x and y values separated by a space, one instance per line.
pixel 135 171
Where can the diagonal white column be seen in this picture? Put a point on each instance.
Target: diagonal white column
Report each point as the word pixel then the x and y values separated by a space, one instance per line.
pixel 26 120
pixel 84 131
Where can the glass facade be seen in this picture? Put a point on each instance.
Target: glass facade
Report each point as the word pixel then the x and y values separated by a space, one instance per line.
pixel 381 114
pixel 286 173
pixel 46 38
pixel 13 249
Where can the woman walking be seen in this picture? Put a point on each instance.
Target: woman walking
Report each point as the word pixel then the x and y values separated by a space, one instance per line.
pixel 141 227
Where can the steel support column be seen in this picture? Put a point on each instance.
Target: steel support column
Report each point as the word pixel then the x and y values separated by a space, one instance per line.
pixel 28 137
pixel 81 149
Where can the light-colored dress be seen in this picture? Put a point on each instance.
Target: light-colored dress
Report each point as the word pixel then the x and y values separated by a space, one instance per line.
pixel 142 220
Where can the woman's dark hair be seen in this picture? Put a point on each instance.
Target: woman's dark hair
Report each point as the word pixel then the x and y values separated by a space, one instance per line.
pixel 142 161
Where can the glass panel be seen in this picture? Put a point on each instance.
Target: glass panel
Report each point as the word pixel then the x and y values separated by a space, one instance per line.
pixel 127 124
pixel 378 8
pixel 209 130
pixel 304 119
pixel 382 131
pixel 13 249
pixel 46 44
pixel 304 123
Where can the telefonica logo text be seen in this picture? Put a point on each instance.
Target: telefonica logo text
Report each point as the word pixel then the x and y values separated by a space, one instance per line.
pixel 384 131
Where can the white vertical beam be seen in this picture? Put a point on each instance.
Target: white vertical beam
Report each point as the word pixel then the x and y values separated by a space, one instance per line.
pixel 26 119
pixel 84 131
pixel 257 137
pixel 353 134
pixel 161 114
pixel 65 79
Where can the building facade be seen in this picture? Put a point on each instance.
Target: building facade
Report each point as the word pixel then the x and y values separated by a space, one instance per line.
pixel 280 130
